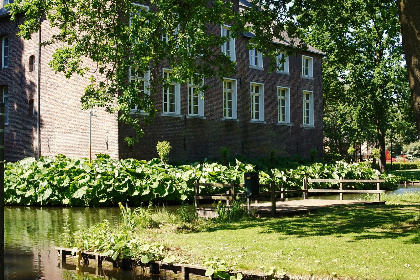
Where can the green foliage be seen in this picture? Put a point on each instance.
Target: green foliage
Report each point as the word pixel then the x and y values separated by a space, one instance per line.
pixel 163 149
pixel 187 214
pixel 233 213
pixel 365 84
pixel 376 153
pixel 412 149
pixel 116 35
pixel 105 181
pixel 217 269
pixel 313 153
pixel 225 153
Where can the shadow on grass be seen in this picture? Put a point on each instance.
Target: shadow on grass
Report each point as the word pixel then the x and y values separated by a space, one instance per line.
pixel 360 222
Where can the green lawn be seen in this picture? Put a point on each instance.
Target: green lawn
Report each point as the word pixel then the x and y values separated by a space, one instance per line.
pixel 407 175
pixel 375 242
pixel 345 242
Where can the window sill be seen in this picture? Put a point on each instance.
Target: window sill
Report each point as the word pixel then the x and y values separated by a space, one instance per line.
pixel 308 126
pixel 283 72
pixel 258 122
pixel 256 67
pixel 308 77
pixel 196 117
pixel 230 120
pixel 139 113
pixel 173 115
pixel 284 124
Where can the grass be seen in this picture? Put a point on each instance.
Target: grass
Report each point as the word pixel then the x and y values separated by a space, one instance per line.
pixel 407 175
pixel 377 242
pixel 348 242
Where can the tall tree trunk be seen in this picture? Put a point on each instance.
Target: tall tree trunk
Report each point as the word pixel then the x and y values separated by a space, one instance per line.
pixel 382 149
pixel 409 13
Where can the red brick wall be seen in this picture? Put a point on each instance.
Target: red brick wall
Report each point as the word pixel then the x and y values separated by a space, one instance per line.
pixel 64 125
pixel 194 139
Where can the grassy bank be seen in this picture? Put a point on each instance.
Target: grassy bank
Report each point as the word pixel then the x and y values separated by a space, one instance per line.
pixel 407 175
pixel 352 242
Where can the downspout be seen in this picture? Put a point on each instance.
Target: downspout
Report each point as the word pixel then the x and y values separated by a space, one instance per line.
pixel 38 89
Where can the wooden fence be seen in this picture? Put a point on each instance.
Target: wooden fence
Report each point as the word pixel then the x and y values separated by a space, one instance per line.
pixel 279 195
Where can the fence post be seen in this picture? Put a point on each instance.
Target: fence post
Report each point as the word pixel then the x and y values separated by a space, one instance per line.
pixel 305 186
pixel 282 193
pixel 378 187
pixel 341 188
pixel 232 190
pixel 273 198
pixel 196 192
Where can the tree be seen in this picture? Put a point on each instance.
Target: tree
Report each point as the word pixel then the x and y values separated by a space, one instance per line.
pixel 409 13
pixel 363 72
pixel 128 40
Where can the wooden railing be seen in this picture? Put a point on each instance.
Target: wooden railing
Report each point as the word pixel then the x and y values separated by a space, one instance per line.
pixel 341 183
pixel 280 195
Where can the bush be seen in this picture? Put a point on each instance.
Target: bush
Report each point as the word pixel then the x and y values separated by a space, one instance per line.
pixel 403 165
pixel 163 148
pixel 412 149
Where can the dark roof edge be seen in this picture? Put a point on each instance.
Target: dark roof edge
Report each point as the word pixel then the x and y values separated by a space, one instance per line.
pixel 288 44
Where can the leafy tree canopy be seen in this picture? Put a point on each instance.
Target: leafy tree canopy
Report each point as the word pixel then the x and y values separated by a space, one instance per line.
pixel 122 37
pixel 364 77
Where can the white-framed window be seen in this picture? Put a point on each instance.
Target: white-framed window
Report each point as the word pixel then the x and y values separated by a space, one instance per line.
pixel 5 52
pixel 5 2
pixel 142 80
pixel 228 47
pixel 195 101
pixel 6 105
pixel 139 8
pixel 308 108
pixel 283 97
pixel 257 102
pixel 229 99
pixel 282 63
pixel 171 95
pixel 307 66
pixel 255 59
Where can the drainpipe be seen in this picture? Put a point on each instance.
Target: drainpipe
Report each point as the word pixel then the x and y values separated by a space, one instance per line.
pixel 38 89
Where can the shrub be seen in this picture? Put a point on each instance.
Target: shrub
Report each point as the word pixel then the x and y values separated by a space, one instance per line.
pixel 163 148
pixel 413 149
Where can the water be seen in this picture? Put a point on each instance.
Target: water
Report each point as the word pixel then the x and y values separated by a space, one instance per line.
pixel 32 233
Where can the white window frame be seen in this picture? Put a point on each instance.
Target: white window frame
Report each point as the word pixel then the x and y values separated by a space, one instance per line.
pixel 6 105
pixel 230 104
pixel 282 66
pixel 307 66
pixel 257 100
pixel 285 106
pixel 228 47
pixel 5 52
pixel 308 108
pixel 146 87
pixel 166 105
pixel 142 7
pixel 256 59
pixel 195 100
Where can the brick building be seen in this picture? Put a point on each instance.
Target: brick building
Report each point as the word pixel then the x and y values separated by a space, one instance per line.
pixel 252 113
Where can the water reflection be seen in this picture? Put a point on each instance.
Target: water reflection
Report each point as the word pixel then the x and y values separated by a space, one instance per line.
pixel 31 234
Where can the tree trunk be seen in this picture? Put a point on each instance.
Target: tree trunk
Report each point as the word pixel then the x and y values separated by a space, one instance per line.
pixel 382 149
pixel 409 13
